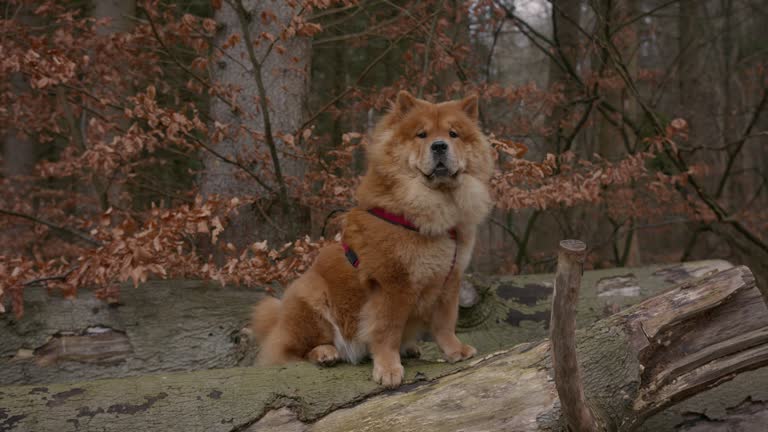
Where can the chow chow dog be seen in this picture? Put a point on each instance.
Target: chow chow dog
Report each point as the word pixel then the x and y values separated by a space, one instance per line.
pixel 397 271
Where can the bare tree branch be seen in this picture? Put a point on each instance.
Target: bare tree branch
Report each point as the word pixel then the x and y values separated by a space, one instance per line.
pixel 362 75
pixel 53 226
pixel 732 155
pixel 243 17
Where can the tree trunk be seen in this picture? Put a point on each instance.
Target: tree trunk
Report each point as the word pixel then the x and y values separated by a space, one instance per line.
pixel 18 153
pixel 700 97
pixel 567 36
pixel 566 18
pixel 614 136
pixel 635 363
pixel 121 15
pixel 18 150
pixel 269 77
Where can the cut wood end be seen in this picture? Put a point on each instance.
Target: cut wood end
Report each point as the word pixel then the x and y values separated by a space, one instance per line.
pixel 573 245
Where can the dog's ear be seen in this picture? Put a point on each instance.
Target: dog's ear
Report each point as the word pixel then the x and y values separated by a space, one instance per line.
pixel 404 103
pixel 470 106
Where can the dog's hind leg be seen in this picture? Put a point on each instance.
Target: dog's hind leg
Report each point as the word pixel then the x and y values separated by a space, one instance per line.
pixel 277 349
pixel 302 332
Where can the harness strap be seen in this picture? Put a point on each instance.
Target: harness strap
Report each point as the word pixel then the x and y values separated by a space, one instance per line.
pixel 453 261
pixel 351 255
pixel 392 218
pixel 405 223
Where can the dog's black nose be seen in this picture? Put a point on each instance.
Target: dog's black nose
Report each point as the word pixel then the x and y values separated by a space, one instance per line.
pixel 439 147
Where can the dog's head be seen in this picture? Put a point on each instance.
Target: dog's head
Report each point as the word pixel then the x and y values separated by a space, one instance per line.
pixel 431 163
pixel 435 144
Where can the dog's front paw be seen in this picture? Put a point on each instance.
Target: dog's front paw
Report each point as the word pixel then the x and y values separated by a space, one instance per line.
pixel 390 375
pixel 466 351
pixel 323 355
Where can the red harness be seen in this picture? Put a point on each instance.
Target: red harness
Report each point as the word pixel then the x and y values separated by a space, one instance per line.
pixel 405 223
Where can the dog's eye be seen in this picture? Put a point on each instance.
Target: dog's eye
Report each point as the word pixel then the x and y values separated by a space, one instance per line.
pixel 453 134
pixel 421 134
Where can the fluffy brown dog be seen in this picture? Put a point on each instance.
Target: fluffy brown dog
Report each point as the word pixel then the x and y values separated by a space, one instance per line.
pixel 410 239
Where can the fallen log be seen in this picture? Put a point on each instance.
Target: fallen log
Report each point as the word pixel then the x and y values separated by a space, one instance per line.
pixel 166 326
pixel 159 326
pixel 738 405
pixel 635 363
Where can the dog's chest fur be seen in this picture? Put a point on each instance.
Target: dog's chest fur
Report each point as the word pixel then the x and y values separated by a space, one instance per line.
pixel 428 262
pixel 391 252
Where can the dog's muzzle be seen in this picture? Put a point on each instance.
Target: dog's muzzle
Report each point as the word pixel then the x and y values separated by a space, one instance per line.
pixel 439 151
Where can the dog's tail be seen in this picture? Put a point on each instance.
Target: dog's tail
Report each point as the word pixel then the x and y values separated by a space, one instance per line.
pixel 264 318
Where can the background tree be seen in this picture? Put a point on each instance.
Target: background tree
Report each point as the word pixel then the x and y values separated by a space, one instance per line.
pixel 267 70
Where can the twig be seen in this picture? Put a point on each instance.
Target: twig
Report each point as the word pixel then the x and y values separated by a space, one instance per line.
pixel 642 15
pixel 70 231
pixel 522 251
pixel 362 75
pixel 582 121
pixel 459 69
pixel 507 229
pixel 229 161
pixel 350 36
pixel 740 143
pixel 186 70
pixel 197 140
pixel 496 34
pixel 60 277
pixel 333 11
pixel 427 47
pixel 266 217
pixel 243 17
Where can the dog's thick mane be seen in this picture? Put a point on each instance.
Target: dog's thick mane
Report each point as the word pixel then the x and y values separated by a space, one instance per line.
pixel 434 211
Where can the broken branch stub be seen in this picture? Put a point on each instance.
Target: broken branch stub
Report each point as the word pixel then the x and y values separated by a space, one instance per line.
pixel 570 266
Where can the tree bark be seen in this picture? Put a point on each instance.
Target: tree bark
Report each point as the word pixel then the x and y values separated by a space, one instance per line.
pixel 121 15
pixel 18 153
pixel 18 150
pixel 567 36
pixel 614 136
pixel 635 363
pixel 270 78
pixel 161 326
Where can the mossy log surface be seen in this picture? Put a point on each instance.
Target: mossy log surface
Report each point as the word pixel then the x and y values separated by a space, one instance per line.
pixel 635 363
pixel 166 326
pixel 160 326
